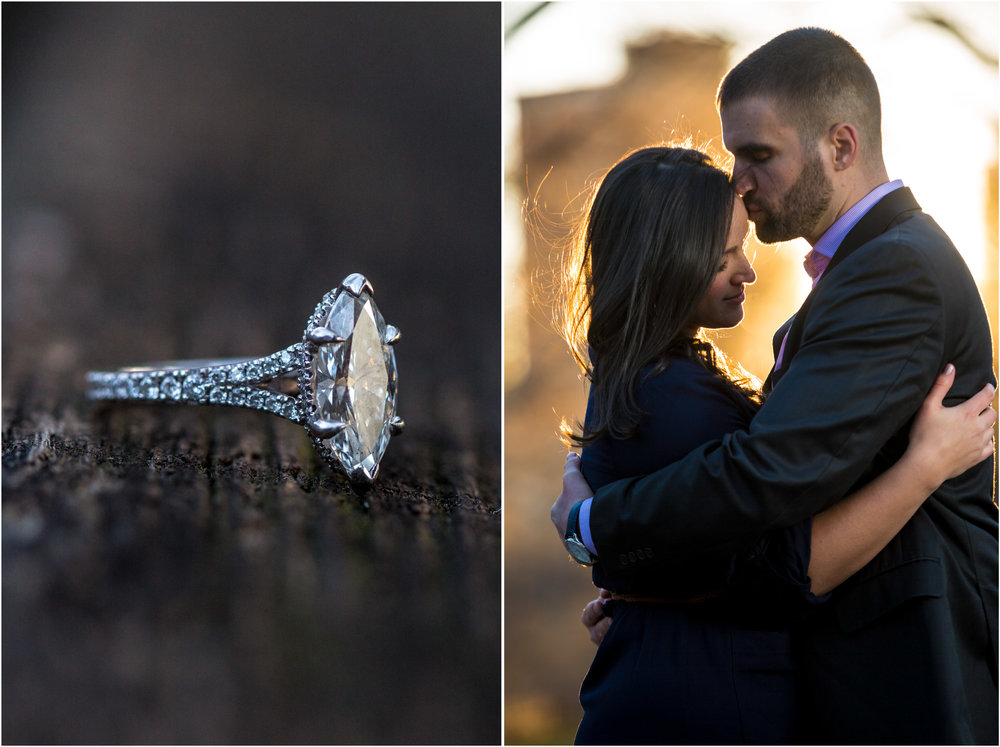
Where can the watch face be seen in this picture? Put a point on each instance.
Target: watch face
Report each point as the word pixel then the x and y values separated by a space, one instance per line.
pixel 578 551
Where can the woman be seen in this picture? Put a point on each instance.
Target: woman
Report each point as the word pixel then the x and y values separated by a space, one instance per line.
pixel 702 653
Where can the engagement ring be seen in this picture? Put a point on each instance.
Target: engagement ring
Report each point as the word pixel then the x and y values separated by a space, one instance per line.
pixel 339 382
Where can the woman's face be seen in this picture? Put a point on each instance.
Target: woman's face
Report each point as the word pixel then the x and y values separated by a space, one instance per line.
pixel 722 304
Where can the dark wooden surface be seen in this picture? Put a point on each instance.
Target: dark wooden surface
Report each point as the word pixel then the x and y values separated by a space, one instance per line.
pixel 186 181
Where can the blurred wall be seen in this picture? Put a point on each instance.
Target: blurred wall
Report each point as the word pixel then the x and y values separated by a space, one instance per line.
pixel 566 141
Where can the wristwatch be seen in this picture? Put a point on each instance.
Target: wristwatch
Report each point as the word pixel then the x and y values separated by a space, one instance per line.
pixel 572 542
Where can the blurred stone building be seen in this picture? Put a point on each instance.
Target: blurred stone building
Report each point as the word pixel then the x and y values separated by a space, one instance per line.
pixel 568 140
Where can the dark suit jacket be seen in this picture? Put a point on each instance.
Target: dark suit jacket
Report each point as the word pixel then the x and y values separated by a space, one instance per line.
pixel 906 650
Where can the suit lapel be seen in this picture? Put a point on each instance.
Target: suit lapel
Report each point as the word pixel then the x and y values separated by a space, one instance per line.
pixel 776 341
pixel 874 223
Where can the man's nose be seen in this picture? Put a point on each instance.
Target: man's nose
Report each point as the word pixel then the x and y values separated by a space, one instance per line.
pixel 742 180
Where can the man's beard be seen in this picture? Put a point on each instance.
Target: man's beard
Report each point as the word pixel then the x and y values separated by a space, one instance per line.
pixel 803 205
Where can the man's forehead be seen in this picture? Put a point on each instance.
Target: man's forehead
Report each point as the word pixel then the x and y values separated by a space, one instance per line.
pixel 753 123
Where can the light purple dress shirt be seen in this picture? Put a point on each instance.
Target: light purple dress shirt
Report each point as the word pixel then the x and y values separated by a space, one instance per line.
pixel 835 234
pixel 827 246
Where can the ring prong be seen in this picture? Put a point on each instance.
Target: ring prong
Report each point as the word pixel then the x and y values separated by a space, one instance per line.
pixel 356 283
pixel 326 428
pixel 323 336
pixel 392 334
pixel 361 476
pixel 397 425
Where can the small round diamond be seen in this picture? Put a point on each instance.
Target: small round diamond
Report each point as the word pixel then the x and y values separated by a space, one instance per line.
pixel 194 386
pixel 170 388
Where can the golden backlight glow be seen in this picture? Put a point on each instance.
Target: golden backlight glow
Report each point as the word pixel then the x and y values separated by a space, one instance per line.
pixel 939 96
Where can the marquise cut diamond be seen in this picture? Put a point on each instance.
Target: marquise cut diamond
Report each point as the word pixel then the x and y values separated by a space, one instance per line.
pixel 354 382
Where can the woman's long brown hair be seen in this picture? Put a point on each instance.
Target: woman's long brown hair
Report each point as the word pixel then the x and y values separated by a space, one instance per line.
pixel 647 251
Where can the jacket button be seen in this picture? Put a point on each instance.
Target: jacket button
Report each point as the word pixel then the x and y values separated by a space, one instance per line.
pixel 649 552
pixel 640 554
pixel 631 557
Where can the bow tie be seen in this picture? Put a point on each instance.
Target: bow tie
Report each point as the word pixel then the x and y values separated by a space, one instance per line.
pixel 814 264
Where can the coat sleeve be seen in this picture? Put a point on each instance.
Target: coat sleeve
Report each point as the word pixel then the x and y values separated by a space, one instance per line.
pixel 769 586
pixel 871 347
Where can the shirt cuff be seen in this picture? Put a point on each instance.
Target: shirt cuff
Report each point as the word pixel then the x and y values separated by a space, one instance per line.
pixel 584 521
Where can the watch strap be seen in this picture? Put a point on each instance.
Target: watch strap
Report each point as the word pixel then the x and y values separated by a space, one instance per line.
pixel 573 521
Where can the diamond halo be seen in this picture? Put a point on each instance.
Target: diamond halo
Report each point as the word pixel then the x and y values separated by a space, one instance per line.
pixel 348 379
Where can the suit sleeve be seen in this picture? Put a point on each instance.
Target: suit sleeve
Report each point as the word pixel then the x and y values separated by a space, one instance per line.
pixel 871 347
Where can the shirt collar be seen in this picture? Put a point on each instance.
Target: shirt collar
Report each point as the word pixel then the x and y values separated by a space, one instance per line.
pixel 835 234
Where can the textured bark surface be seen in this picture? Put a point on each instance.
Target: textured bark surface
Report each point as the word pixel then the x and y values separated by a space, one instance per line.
pixel 188 574
pixel 186 182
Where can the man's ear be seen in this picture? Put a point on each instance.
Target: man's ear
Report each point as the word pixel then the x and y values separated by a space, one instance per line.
pixel 843 142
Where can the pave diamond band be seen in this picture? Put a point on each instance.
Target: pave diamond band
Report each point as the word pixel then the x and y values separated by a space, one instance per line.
pixel 235 381
pixel 340 382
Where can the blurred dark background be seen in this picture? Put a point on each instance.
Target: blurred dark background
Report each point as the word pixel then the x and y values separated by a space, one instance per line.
pixel 186 181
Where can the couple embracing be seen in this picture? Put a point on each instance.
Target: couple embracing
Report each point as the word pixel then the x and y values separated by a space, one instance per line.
pixel 814 560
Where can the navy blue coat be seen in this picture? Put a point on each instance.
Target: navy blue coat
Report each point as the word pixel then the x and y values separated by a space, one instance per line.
pixel 906 650
pixel 712 672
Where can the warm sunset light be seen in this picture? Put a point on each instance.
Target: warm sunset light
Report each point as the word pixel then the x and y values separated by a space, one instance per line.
pixel 586 82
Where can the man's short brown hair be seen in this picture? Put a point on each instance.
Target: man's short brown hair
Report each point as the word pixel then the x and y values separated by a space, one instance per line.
pixel 817 79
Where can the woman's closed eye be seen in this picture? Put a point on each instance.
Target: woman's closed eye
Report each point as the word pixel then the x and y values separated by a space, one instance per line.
pixel 730 252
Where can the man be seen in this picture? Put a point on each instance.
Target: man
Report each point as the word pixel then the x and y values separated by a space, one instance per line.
pixel 905 651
